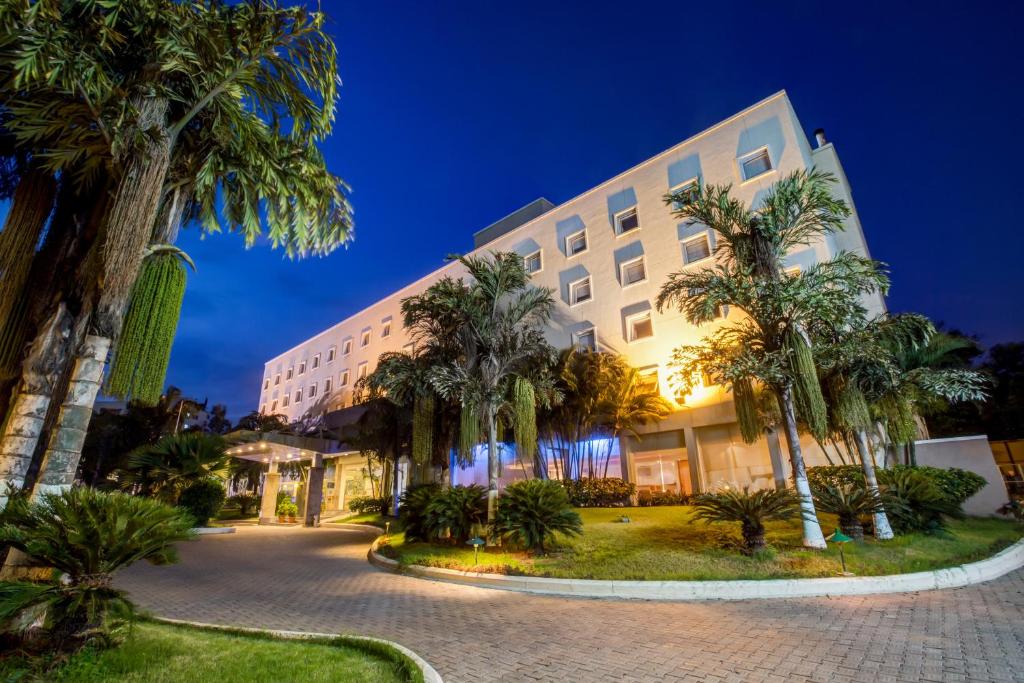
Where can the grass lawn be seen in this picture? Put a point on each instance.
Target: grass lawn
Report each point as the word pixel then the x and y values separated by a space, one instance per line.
pixel 161 653
pixel 666 543
pixel 371 518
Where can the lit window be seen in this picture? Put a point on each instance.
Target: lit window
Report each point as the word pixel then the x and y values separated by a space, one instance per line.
pixel 385 330
pixel 696 249
pixel 626 221
pixel 576 243
pixel 312 390
pixel 327 385
pixel 648 380
pixel 633 272
pixel 330 354
pixel 585 340
pixel 792 271
pixel 343 378
pixel 640 327
pixel 288 375
pixel 298 395
pixel 532 262
pixel 273 406
pixel 580 291
pixel 361 370
pixel 316 361
pixel 277 379
pixel 266 384
pixel 364 339
pixel 302 368
pixel 284 401
pixel 755 164
pixel 683 194
pixel 346 347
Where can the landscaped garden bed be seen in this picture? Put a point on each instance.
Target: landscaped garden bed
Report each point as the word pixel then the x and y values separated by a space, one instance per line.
pixel 667 543
pixel 156 652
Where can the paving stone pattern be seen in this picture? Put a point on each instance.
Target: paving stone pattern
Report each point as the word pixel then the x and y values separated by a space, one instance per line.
pixel 319 580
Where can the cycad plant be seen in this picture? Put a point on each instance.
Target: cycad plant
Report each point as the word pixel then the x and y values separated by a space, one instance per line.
pixel 165 469
pixel 916 503
pixel 456 511
pixel 86 535
pixel 850 503
pixel 532 512
pixel 750 508
pixel 412 511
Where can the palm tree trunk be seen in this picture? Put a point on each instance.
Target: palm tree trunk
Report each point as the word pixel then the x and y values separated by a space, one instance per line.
pixel 813 538
pixel 883 531
pixel 30 207
pixel 492 464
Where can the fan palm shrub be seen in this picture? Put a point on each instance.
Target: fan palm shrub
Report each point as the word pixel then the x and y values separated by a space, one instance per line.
pixel 166 468
pixel 850 503
pixel 202 499
pixel 750 508
pixel 412 510
pixel 456 511
pixel 916 503
pixel 86 535
pixel 531 512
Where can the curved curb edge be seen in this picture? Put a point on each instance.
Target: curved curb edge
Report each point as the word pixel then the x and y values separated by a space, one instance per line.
pixel 430 674
pixel 213 530
pixel 990 568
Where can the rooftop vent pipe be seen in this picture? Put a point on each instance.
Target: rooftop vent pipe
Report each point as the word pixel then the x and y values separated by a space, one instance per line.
pixel 819 135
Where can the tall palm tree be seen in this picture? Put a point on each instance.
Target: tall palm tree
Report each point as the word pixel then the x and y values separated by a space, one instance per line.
pixel 631 404
pixel 498 317
pixel 769 346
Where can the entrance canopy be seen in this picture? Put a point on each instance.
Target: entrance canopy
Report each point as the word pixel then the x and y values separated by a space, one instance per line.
pixel 274 447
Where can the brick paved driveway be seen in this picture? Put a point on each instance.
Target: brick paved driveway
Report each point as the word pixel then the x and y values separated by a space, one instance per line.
pixel 319 580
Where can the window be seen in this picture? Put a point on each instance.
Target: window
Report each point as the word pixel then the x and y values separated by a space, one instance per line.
pixel 580 291
pixel 266 384
pixel 330 354
pixel 576 243
pixel 532 262
pixel 346 347
pixel 298 395
pixel 302 368
pixel 684 193
pixel 277 379
pixel 792 271
pixel 327 385
pixel 361 370
pixel 755 164
pixel 288 375
pixel 640 327
pixel 312 390
pixel 284 401
pixel 316 361
pixel 705 379
pixel 648 380
pixel 409 348
pixel 633 272
pixel 385 330
pixel 343 378
pixel 364 338
pixel 585 340
pixel 273 406
pixel 263 409
pixel 626 221
pixel 696 249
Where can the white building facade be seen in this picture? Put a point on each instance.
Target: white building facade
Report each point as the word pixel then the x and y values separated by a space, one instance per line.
pixel 605 254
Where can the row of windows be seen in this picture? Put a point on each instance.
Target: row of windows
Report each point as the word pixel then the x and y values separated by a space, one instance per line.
pixel 346 350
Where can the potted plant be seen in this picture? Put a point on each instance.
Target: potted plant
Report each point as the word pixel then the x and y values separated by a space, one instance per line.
pixel 287 511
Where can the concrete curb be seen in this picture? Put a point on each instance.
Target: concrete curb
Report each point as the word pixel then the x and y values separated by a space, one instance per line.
pixel 213 530
pixel 953 577
pixel 430 674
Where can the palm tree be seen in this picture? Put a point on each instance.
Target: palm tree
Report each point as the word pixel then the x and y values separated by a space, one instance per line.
pixel 769 346
pixel 164 469
pixel 498 318
pixel 631 404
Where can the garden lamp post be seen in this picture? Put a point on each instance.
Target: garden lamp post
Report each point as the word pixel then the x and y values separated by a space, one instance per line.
pixel 840 539
pixel 476 542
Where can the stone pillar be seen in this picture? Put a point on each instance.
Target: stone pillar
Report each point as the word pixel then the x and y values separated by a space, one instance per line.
pixel 268 504
pixel 314 491
pixel 693 459
pixel 775 452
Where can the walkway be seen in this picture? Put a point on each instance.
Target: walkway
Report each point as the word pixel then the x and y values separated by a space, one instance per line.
pixel 319 580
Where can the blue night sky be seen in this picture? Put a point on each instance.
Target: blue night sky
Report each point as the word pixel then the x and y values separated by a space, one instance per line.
pixel 454 114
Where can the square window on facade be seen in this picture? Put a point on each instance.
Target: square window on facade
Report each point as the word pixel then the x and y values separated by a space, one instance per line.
pixel 266 384
pixel 580 291
pixel 288 375
pixel 696 249
pixel 683 194
pixel 346 347
pixel 385 330
pixel 648 380
pixel 633 272
pixel 626 221
pixel 576 244
pixel 327 385
pixel 273 406
pixel 364 339
pixel 263 409
pixel 312 390
pixel 284 401
pixel 330 354
pixel 302 368
pixel 756 164
pixel 298 395
pixel 640 327
pixel 533 263
pixel 586 340
pixel 343 379
pixel 316 361
pixel 361 371
pixel 277 379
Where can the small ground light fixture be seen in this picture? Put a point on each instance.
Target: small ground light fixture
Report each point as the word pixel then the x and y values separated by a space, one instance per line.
pixel 840 539
pixel 476 542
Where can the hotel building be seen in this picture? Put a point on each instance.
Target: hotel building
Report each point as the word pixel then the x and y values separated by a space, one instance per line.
pixel 605 254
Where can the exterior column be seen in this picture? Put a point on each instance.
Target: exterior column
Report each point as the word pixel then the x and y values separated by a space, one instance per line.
pixel 314 491
pixel 271 484
pixel 775 452
pixel 693 459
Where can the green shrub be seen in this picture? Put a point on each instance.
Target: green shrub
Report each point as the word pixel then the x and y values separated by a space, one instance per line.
pixel 108 531
pixel 835 476
pixel 956 485
pixel 287 509
pixel 656 498
pixel 591 492
pixel 456 511
pixel 914 502
pixel 362 505
pixel 750 508
pixel 202 499
pixel 245 502
pixel 282 497
pixel 531 512
pixel 850 503
pixel 412 510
